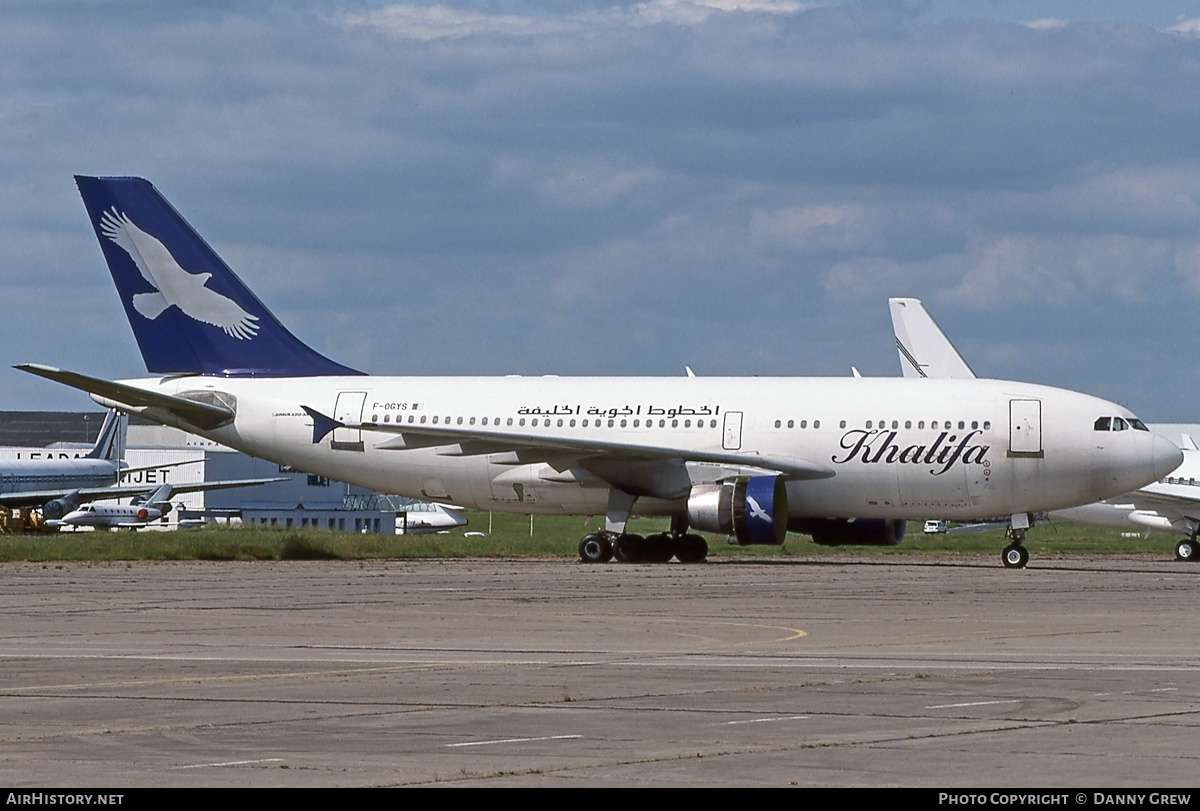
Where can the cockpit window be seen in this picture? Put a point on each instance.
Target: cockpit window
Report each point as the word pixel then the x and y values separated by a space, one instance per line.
pixel 1119 424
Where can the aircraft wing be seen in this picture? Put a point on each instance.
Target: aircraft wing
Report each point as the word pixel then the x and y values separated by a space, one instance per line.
pixel 80 495
pixel 649 469
pixel 204 487
pixel 84 495
pixel 924 349
pixel 1165 504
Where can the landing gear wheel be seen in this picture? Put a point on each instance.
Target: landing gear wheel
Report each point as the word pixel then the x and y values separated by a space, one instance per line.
pixel 595 548
pixel 658 548
pixel 1186 550
pixel 1014 556
pixel 691 549
pixel 628 548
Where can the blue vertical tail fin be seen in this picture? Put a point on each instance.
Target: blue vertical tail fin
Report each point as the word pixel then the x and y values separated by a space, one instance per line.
pixel 190 313
pixel 110 444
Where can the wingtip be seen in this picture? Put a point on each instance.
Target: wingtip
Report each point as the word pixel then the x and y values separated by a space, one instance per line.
pixel 37 368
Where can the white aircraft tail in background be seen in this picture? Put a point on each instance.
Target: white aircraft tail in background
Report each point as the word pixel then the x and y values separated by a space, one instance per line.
pixel 924 349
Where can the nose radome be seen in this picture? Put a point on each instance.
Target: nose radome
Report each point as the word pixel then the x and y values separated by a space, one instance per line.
pixel 1167 456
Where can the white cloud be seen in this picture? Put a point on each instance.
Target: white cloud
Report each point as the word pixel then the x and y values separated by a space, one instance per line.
pixel 422 22
pixel 438 22
pixel 722 182
pixel 1045 24
pixel 1189 27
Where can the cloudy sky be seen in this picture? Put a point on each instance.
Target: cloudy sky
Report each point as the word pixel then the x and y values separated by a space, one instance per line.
pixel 542 187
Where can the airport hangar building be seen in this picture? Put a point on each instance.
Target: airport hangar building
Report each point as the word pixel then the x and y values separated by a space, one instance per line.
pixel 177 457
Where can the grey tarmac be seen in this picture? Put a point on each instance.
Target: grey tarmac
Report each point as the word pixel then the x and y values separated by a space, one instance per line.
pixel 844 671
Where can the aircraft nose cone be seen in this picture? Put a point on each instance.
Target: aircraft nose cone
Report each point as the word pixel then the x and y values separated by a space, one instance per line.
pixel 1167 456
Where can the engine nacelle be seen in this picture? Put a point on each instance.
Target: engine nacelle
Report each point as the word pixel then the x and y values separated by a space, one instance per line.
pixel 751 509
pixel 851 531
pixel 56 509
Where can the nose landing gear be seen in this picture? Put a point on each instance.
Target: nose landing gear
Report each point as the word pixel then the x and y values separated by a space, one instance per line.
pixel 1187 550
pixel 1015 555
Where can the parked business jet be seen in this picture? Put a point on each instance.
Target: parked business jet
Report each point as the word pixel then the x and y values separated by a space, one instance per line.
pixel 151 505
pixel 423 517
pixel 842 459
pixel 1171 504
pixel 57 486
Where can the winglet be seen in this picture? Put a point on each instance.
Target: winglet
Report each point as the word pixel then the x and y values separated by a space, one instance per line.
pixel 322 425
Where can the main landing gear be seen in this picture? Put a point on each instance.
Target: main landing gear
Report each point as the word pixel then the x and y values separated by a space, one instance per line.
pixel 601 547
pixel 615 542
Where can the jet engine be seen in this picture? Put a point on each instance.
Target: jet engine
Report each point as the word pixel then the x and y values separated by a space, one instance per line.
pixel 751 509
pixel 56 509
pixel 851 531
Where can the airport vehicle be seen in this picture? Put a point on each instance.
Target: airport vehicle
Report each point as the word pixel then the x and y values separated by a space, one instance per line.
pixel 1171 504
pixel 842 459
pixel 935 527
pixel 57 485
pixel 151 505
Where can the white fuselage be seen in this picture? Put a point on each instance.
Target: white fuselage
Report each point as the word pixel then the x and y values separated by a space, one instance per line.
pixel 897 448
pixel 37 475
pixel 108 516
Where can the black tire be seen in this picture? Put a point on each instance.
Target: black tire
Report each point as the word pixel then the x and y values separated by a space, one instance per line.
pixel 595 548
pixel 1014 556
pixel 628 548
pixel 691 549
pixel 658 548
pixel 1186 550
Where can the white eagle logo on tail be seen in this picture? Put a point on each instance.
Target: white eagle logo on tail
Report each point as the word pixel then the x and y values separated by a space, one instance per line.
pixel 176 287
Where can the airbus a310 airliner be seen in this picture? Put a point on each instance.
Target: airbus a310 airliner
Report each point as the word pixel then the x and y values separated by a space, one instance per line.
pixel 846 460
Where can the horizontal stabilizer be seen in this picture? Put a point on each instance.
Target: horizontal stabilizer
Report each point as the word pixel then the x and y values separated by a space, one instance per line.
pixel 131 398
pixel 322 426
